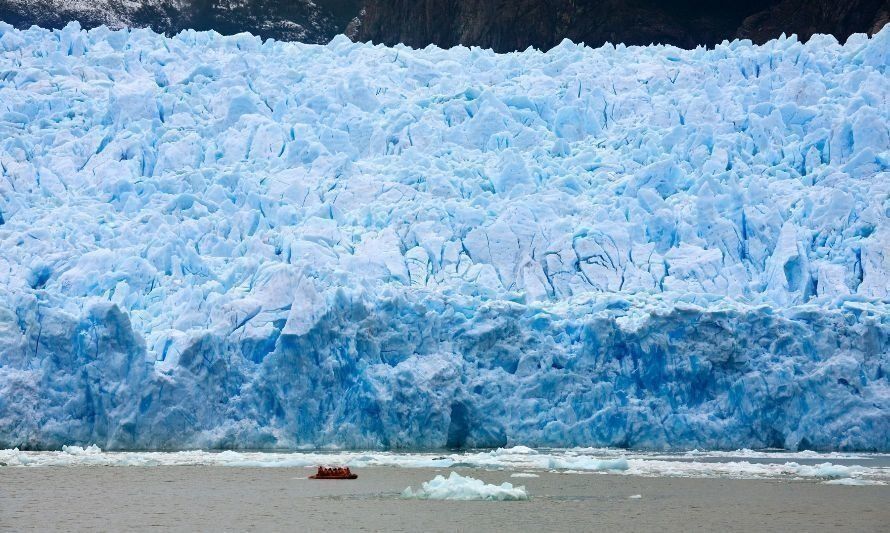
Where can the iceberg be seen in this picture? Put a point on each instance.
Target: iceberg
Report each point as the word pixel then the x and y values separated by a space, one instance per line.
pixel 852 482
pixel 458 487
pixel 223 242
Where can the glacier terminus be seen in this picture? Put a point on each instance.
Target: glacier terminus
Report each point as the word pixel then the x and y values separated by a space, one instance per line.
pixel 224 242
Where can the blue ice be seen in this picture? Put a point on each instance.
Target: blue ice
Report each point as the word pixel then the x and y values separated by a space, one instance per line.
pixel 222 242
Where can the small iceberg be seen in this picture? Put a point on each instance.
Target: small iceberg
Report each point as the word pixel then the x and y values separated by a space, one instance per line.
pixel 823 470
pixel 457 487
pixel 853 482
pixel 588 463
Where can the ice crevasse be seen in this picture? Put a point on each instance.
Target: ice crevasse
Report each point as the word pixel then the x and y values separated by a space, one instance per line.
pixel 221 242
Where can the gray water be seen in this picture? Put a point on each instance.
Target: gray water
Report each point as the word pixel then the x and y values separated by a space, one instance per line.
pixel 207 498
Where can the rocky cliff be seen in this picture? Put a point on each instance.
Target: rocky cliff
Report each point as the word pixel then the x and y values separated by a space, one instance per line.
pixel 516 25
pixel 289 20
pixel 503 25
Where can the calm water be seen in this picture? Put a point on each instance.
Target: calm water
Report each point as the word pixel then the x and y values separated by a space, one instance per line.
pixel 214 498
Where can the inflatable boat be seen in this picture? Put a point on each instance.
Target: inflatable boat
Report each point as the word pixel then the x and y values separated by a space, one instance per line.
pixel 336 472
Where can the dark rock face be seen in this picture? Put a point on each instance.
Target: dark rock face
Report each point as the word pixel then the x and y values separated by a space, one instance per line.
pixel 292 20
pixel 807 17
pixel 503 25
pixel 507 25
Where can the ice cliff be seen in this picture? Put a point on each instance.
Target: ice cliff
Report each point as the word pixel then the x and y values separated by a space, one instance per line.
pixel 213 241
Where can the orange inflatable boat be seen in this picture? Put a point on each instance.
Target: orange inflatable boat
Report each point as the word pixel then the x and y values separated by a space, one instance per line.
pixel 335 472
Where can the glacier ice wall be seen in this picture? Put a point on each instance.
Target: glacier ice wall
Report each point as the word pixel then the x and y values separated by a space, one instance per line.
pixel 213 241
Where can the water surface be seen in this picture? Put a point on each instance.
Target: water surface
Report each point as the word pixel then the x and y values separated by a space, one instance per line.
pixel 214 498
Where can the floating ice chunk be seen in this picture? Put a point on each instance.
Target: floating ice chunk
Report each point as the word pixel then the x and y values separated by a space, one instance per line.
pixel 588 463
pixel 854 482
pixel 769 465
pixel 457 487
pixel 92 449
pixel 823 470
pixel 515 450
pixel 524 474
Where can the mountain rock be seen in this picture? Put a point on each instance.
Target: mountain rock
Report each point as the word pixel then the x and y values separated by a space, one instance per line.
pixel 289 20
pixel 502 26
pixel 508 26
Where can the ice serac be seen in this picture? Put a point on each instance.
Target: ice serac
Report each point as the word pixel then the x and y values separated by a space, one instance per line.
pixel 217 241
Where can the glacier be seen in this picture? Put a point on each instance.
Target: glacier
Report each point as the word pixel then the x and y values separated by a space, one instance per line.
pixel 224 242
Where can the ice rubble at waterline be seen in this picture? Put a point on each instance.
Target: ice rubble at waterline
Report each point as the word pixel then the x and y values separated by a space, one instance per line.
pixel 839 468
